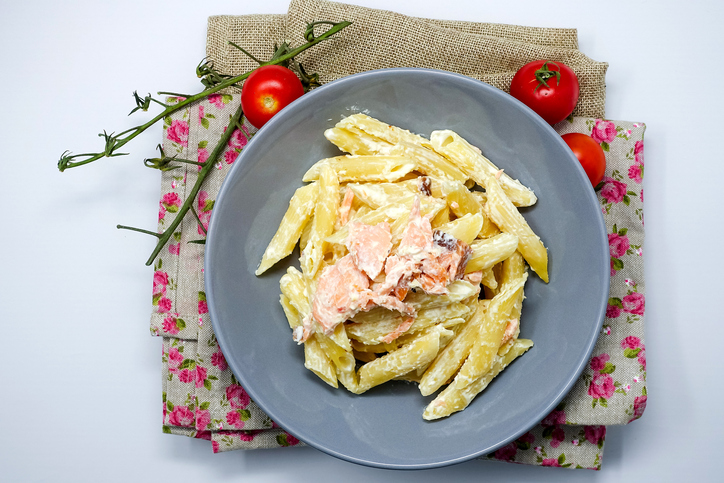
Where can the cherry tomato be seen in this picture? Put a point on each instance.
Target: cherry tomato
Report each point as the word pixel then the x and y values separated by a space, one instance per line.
pixel 549 88
pixel 589 153
pixel 268 90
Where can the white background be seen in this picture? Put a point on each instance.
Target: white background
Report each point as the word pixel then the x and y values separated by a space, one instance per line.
pixel 79 372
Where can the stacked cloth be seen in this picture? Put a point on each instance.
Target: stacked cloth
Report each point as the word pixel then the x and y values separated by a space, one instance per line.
pixel 202 398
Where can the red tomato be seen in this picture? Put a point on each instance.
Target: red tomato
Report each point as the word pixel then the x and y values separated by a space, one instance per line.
pixel 268 90
pixel 549 88
pixel 589 153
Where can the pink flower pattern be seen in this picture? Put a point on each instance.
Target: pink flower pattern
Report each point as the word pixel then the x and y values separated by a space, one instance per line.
pixel 239 139
pixel 200 376
pixel 639 152
pixel 618 244
pixel 178 132
pixel 181 416
pixel 636 173
pixel 507 452
pixel 237 396
pixel 203 419
pixel 203 156
pixel 233 418
pixel 599 362
pixel 595 434
pixel 613 191
pixel 170 325
pixel 230 156
pixel 174 359
pixel 164 304
pixel 218 360
pixel 639 406
pixel 634 303
pixel 171 200
pixel 631 342
pixel 613 311
pixel 603 131
pixel 601 386
pixel 216 100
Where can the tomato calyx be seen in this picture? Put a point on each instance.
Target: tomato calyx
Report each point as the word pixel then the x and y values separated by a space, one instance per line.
pixel 544 73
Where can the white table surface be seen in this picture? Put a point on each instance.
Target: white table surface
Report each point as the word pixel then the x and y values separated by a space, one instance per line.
pixel 79 372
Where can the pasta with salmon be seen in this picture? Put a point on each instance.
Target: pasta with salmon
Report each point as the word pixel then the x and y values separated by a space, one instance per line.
pixel 413 263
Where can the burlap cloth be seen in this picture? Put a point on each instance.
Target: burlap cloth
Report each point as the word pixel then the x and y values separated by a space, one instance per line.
pixel 201 397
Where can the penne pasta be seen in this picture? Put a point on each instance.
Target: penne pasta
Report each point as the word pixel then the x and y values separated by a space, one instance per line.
pixel 363 168
pixel 490 251
pixel 477 167
pixel 447 363
pixel 372 327
pixel 405 273
pixel 354 143
pixel 453 399
pixel 465 228
pixel 509 220
pixel 295 220
pixel 490 334
pixel 401 361
pixel 325 214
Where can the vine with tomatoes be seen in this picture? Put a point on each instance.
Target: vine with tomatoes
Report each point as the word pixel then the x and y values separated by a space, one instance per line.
pixel 265 91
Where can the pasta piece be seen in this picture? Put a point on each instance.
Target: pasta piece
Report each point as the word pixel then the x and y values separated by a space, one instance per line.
pixel 384 347
pixel 363 168
pixel 403 142
pixel 401 361
pixel 453 399
pixel 371 327
pixel 513 269
pixel 306 233
pixel 314 357
pixel 460 200
pixel 295 288
pixel 317 361
pixel 488 279
pixel 478 167
pixel 509 220
pixel 376 195
pixel 465 228
pixel 325 214
pixel 449 360
pixel 490 334
pixel 391 134
pixel 441 218
pixel 489 251
pixel 300 210
pixel 343 361
pixel 458 291
pixel 356 143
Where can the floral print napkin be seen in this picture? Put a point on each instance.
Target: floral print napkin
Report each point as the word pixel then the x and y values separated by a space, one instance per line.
pixel 202 398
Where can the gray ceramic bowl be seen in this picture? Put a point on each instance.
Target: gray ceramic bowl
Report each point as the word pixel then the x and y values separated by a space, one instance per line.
pixel 384 427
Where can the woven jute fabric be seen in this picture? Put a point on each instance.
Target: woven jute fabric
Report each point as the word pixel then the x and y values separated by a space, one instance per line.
pixel 256 33
pixel 379 39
